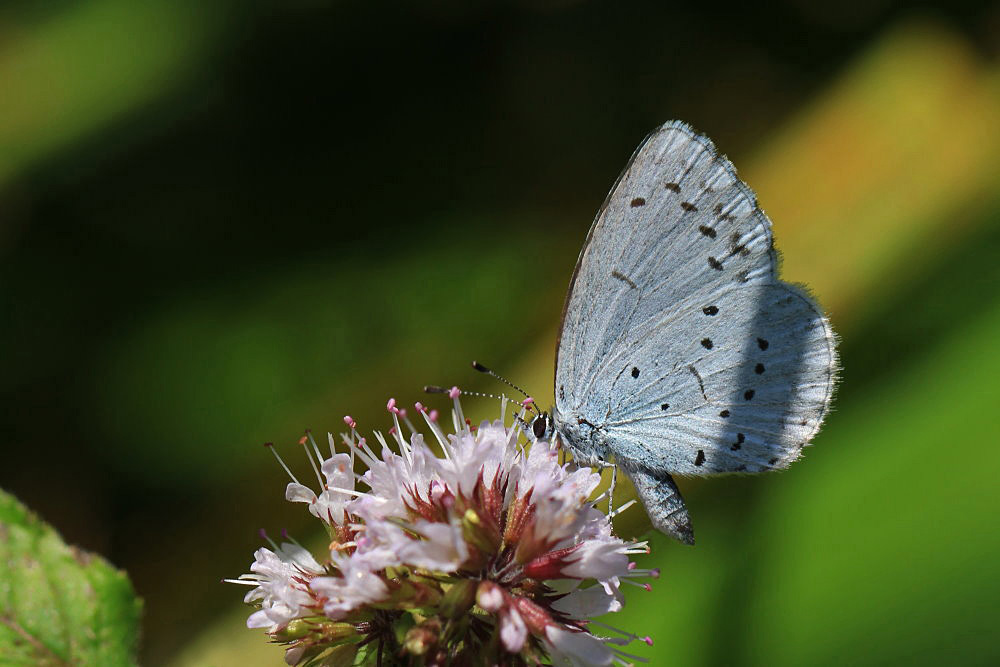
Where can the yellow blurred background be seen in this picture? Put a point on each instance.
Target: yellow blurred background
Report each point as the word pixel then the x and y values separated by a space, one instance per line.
pixel 223 223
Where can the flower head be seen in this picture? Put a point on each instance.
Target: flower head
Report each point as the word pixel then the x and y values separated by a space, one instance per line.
pixel 478 544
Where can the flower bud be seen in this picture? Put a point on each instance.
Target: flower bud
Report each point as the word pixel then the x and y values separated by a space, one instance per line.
pixel 422 638
pixel 296 629
pixel 489 596
pixel 459 598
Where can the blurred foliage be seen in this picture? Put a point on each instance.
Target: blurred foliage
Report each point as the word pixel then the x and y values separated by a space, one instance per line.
pixel 223 224
pixel 255 352
pixel 78 67
pixel 895 162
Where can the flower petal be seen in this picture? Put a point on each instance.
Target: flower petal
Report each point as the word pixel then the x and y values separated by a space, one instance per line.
pixel 590 602
pixel 298 493
pixel 580 649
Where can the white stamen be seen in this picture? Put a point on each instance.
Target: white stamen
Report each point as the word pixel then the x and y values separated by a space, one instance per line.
pixel 243 582
pixel 457 414
pixel 360 446
pixel 438 433
pixel 404 449
pixel 319 457
pixel 312 462
pixel 622 509
pixel 632 637
pixel 629 655
pixel 278 456
pixel 409 424
pixel 381 440
pixel 350 492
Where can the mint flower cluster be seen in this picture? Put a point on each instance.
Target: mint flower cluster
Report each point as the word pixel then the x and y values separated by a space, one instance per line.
pixel 475 547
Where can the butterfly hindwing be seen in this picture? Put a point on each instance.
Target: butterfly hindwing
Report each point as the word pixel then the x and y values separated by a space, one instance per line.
pixel 749 395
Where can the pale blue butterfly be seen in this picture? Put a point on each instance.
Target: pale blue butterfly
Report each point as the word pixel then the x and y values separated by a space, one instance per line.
pixel 680 351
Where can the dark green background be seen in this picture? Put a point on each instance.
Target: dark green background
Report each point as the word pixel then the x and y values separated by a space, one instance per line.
pixel 222 223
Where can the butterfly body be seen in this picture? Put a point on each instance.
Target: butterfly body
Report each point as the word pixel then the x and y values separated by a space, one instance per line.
pixel 681 352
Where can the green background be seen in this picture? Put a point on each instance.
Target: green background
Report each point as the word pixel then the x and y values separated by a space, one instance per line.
pixel 222 223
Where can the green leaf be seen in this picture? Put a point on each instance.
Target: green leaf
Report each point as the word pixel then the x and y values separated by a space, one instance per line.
pixel 60 605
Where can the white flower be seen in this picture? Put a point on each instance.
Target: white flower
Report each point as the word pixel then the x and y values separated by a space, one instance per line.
pixel 513 631
pixel 597 558
pixel 281 579
pixel 489 596
pixel 355 587
pixel 580 649
pixel 328 506
pixel 597 600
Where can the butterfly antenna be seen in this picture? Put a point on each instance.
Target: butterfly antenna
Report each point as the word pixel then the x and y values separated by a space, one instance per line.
pixel 527 403
pixel 434 389
pixel 482 369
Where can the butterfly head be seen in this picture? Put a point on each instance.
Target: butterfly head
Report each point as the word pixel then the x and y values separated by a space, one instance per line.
pixel 541 426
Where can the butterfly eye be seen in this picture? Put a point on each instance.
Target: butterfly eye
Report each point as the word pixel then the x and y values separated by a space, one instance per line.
pixel 540 426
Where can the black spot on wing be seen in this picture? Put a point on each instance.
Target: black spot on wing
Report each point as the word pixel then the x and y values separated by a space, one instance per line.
pixel 722 216
pixel 762 344
pixel 724 414
pixel 635 372
pixel 688 206
pixel 740 439
pixel 673 187
pixel 638 201
pixel 707 231
pixel 697 376
pixel 737 248
pixel 758 369
pixel 622 277
pixel 700 458
pixel 748 394
pixel 714 263
pixel 706 343
pixel 665 406
pixel 710 310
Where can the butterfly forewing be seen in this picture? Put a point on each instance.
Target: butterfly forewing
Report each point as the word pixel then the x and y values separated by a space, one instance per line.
pixel 679 345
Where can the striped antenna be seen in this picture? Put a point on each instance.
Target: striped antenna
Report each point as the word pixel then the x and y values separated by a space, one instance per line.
pixel 482 369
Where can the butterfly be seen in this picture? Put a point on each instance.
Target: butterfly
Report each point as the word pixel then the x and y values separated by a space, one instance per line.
pixel 681 352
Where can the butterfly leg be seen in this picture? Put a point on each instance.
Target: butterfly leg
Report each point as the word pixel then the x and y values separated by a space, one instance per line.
pixel 611 489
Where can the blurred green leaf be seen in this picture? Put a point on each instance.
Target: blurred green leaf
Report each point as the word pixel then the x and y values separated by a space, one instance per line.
pixel 60 605
pixel 75 71
pixel 200 381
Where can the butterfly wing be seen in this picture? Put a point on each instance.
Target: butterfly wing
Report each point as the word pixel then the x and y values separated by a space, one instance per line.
pixel 680 350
